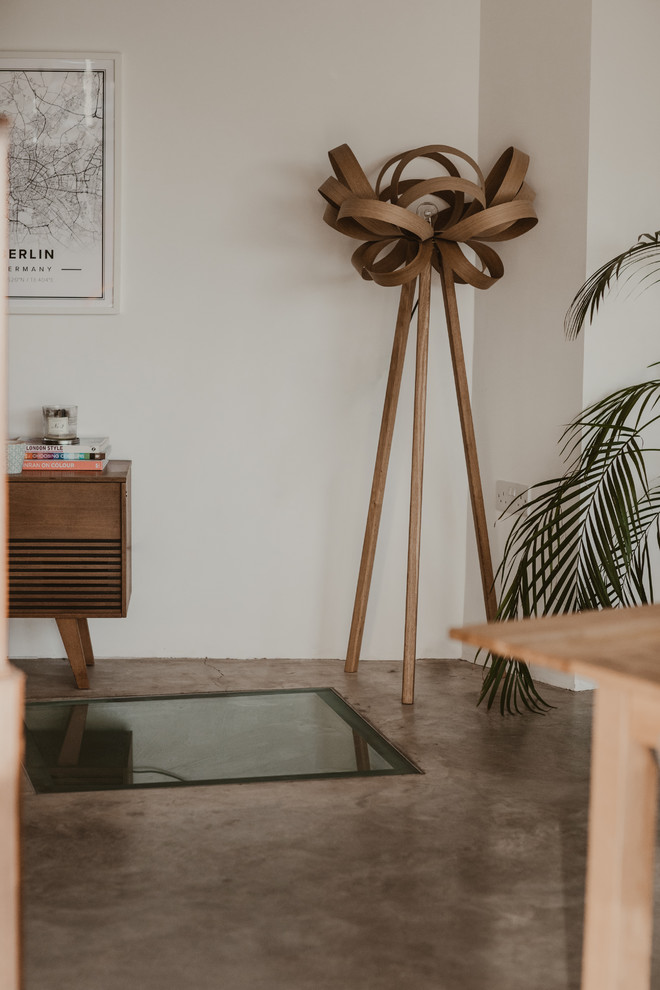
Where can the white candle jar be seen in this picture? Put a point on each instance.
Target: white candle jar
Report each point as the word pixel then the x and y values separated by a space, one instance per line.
pixel 15 449
pixel 60 424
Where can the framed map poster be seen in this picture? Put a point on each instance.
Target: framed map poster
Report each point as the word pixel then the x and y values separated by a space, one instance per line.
pixel 62 202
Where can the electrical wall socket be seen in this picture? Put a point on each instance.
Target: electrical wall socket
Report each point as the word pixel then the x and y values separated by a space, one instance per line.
pixel 509 497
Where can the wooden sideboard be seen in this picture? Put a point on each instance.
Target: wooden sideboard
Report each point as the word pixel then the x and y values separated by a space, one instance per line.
pixel 70 551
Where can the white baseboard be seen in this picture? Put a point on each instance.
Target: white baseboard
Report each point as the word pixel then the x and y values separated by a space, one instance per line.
pixel 569 681
pixel 541 674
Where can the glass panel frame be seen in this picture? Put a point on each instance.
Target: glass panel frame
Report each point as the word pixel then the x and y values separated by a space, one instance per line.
pixel 55 761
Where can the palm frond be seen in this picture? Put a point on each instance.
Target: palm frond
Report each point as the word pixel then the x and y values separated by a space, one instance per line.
pixel 642 259
pixel 516 687
pixel 582 540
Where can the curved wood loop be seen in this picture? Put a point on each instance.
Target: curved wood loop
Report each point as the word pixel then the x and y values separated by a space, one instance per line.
pixel 471 211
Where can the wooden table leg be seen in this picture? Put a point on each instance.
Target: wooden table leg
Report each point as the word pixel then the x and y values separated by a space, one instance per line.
pixel 70 633
pixel 622 822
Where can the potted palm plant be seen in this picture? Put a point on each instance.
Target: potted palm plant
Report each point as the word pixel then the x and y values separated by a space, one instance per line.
pixel 583 540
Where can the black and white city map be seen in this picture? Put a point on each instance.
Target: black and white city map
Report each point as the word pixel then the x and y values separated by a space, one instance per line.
pixel 57 179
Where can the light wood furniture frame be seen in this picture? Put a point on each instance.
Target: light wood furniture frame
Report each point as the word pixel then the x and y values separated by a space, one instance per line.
pixel 70 552
pixel 11 680
pixel 619 649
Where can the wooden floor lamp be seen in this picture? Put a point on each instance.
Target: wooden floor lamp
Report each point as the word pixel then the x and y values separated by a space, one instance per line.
pixel 408 227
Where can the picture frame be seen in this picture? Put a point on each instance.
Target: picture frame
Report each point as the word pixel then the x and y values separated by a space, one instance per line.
pixel 63 182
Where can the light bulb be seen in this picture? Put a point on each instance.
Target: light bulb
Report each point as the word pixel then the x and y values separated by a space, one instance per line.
pixel 428 210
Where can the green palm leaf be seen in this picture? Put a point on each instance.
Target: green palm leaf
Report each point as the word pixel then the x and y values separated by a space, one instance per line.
pixel 582 540
pixel 642 259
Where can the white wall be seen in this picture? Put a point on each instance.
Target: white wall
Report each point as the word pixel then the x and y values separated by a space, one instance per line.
pixel 624 193
pixel 534 94
pixel 624 187
pixel 244 376
pixel 575 84
pixel 527 383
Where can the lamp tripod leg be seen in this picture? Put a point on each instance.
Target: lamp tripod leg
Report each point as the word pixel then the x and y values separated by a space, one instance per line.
pixel 380 476
pixel 469 443
pixel 417 474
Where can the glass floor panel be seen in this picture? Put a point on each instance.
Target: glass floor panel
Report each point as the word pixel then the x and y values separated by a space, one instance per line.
pixel 180 740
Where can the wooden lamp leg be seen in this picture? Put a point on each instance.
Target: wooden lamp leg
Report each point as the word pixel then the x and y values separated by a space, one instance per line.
pixel 380 476
pixel 469 443
pixel 417 474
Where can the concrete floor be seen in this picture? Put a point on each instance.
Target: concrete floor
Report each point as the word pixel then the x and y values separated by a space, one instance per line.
pixel 470 877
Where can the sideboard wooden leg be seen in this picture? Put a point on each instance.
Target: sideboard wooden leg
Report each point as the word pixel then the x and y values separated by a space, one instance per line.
pixel 73 737
pixel 86 640
pixel 70 633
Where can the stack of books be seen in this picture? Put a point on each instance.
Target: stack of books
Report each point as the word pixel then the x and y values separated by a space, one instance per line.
pixel 90 454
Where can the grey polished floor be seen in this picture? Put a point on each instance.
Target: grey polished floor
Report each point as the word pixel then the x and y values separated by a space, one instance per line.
pixel 470 877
